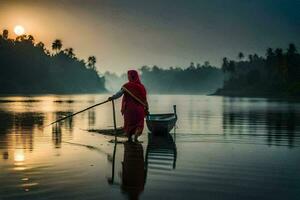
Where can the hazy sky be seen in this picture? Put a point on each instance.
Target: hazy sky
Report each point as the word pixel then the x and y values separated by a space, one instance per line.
pixel 126 34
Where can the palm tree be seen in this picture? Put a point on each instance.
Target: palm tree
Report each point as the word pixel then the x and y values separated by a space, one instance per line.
pixel 278 52
pixel 70 52
pixel 91 62
pixel 5 34
pixel 57 45
pixel 241 56
pixel 292 49
pixel 255 57
pixel 206 64
pixel 225 64
pixel 192 65
pixel 269 52
pixel 250 57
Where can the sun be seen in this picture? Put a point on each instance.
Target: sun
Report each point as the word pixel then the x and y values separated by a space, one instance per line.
pixel 19 30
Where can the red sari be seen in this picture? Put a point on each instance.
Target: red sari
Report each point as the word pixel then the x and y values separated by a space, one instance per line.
pixel 134 103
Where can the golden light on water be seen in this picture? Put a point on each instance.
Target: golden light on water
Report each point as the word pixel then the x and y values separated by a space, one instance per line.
pixel 19 30
pixel 19 155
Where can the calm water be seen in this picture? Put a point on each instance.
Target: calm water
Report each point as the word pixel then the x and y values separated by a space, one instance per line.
pixel 223 148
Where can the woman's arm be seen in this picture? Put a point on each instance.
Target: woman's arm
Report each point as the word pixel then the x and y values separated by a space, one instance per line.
pixel 117 95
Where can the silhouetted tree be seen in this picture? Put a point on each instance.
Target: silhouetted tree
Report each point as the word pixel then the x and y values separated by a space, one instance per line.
pixel 241 56
pixel 278 52
pixel 30 38
pixel 21 38
pixel 270 52
pixel 192 65
pixel 57 45
pixel 278 74
pixel 70 52
pixel 191 79
pixel 206 64
pixel 292 49
pixel 231 66
pixel 40 45
pixel 5 34
pixel 91 62
pixel 225 65
pixel 250 57
pixel 255 57
pixel 29 68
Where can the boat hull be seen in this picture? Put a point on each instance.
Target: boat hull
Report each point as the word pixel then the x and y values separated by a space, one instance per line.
pixel 161 123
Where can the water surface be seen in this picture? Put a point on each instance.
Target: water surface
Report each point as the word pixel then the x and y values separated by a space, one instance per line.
pixel 223 148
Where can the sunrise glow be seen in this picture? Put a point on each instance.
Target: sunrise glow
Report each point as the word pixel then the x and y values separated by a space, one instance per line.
pixel 19 30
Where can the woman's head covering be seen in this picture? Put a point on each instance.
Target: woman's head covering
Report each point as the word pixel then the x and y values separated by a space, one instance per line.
pixel 133 76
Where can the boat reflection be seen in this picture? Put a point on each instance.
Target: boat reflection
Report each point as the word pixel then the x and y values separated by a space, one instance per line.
pixel 161 152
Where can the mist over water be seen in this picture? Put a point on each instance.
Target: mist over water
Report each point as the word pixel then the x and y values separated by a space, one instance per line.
pixel 223 148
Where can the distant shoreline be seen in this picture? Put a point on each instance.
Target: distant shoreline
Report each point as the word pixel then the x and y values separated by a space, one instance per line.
pixel 238 94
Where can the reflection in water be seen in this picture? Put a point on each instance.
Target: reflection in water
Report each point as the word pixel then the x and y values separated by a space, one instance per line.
pixel 91 118
pixel 16 131
pixel 161 155
pixel 222 144
pixel 133 170
pixel 57 135
pixel 277 125
pixel 5 155
pixel 161 152
pixel 19 155
pixel 133 175
pixel 68 123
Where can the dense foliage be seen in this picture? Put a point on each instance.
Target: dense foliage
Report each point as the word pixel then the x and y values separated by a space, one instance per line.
pixel 277 74
pixel 192 79
pixel 27 67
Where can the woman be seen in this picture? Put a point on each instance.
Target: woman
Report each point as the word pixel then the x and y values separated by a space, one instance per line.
pixel 134 105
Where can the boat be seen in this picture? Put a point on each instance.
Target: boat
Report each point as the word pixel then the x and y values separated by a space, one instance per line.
pixel 161 123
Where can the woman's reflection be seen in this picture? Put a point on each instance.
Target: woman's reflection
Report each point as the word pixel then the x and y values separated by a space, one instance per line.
pixel 133 170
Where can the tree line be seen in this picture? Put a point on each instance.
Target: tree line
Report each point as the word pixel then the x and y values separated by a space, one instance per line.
pixel 275 75
pixel 28 67
pixel 194 78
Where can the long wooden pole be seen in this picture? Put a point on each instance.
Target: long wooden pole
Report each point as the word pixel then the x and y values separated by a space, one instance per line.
pixel 113 164
pixel 115 146
pixel 114 116
pixel 61 119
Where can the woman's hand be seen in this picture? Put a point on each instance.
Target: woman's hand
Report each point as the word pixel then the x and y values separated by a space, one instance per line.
pixel 110 98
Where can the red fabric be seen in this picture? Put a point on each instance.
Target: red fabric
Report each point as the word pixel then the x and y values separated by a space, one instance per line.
pixel 133 111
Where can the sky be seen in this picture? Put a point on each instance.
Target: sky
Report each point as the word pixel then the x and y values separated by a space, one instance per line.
pixel 127 34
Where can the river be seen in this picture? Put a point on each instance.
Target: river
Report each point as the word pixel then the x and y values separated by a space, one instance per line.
pixel 222 148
